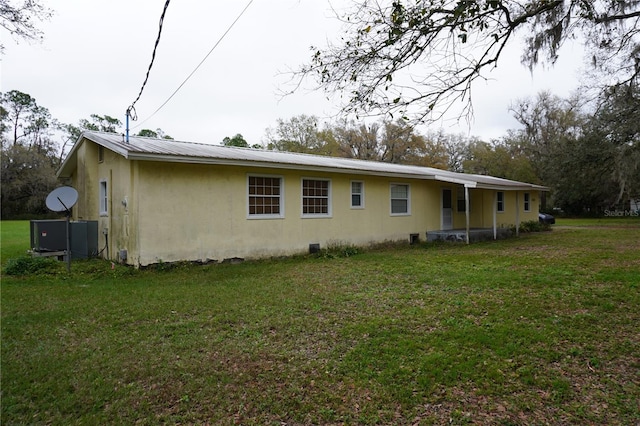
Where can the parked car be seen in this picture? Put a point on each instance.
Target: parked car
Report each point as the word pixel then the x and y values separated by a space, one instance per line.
pixel 546 218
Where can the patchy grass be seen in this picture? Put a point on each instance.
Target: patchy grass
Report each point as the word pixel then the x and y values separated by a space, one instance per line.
pixel 535 330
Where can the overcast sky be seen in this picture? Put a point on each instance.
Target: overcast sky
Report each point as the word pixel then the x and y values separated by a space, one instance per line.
pixel 95 55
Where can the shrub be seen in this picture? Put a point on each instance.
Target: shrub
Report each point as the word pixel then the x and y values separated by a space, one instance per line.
pixel 336 249
pixel 534 226
pixel 30 265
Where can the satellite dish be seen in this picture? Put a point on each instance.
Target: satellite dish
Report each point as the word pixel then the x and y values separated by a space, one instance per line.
pixel 62 199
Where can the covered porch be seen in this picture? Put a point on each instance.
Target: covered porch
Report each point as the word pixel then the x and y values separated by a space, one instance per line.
pixel 499 206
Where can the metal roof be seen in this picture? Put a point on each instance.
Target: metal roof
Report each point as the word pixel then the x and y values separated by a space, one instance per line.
pixel 151 149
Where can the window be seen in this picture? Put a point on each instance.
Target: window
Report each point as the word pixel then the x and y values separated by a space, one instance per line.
pixel 100 154
pixel 104 198
pixel 527 202
pixel 265 197
pixel 357 195
pixel 500 201
pixel 399 199
pixel 462 205
pixel 316 197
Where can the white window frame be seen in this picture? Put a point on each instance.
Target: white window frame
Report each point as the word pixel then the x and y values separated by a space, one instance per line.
pixel 361 194
pixel 500 203
pixel 280 197
pixel 527 201
pixel 408 199
pixel 103 198
pixel 303 197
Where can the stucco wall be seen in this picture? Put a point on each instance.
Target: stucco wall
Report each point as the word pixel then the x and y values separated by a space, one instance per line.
pixel 200 212
pixel 114 226
pixel 119 220
pixel 85 181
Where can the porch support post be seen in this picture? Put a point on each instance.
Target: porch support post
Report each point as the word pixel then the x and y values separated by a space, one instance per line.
pixel 517 214
pixel 495 214
pixel 466 209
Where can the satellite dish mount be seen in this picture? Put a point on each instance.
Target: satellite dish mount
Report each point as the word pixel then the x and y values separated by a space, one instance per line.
pixel 62 200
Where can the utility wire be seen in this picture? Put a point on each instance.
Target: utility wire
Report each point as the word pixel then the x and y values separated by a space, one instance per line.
pixel 198 66
pixel 153 57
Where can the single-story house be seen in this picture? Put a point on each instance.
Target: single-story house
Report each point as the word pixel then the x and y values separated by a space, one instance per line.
pixel 159 200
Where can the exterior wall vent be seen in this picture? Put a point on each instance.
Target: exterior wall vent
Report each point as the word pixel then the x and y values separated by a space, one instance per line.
pixel 314 248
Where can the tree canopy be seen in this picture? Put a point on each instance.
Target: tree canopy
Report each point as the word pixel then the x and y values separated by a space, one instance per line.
pixel 415 58
pixel 300 133
pixel 158 134
pixel 28 120
pixel 237 141
pixel 589 158
pixel 29 154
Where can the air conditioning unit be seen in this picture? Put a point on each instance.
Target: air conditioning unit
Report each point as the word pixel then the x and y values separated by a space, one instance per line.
pixel 50 236
pixel 84 239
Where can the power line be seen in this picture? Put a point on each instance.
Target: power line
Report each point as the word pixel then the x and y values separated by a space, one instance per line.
pixel 153 56
pixel 198 66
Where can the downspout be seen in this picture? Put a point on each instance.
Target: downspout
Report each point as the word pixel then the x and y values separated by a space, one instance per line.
pixel 495 214
pixel 517 214
pixel 466 208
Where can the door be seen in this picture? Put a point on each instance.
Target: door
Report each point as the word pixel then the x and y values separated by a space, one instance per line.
pixel 447 210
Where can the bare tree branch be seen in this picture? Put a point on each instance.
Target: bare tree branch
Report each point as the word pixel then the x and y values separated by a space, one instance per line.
pixel 415 59
pixel 17 18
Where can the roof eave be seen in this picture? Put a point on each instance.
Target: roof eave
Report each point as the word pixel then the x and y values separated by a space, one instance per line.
pixel 463 182
pixel 525 187
pixel 269 165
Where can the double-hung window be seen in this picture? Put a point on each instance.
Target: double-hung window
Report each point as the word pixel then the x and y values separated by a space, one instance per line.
pixel 357 194
pixel 400 199
pixel 265 197
pixel 104 198
pixel 316 197
pixel 527 202
pixel 500 197
pixel 461 202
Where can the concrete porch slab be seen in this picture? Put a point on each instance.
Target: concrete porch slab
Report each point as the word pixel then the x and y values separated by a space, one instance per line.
pixel 475 234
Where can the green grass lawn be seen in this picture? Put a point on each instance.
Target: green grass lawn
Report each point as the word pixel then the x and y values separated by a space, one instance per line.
pixel 631 222
pixel 14 241
pixel 541 329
